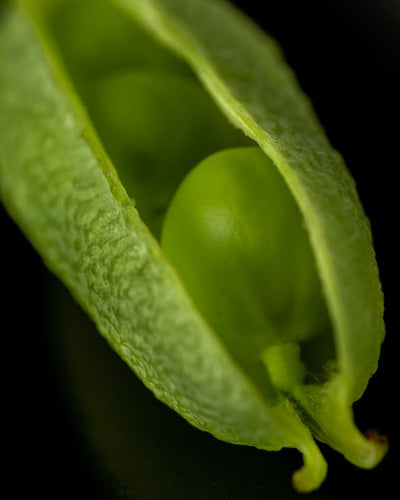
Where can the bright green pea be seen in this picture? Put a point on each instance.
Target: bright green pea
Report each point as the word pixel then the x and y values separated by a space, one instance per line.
pixel 237 239
pixel 156 126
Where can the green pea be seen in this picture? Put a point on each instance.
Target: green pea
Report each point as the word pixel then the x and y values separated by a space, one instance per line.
pixel 156 126
pixel 237 239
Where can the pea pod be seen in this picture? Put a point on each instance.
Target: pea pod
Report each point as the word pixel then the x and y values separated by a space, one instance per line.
pixel 58 183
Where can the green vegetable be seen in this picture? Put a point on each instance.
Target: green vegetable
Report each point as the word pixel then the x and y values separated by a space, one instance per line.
pixel 309 353
pixel 236 237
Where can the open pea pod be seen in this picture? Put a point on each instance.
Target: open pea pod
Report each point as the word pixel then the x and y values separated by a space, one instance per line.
pixel 58 183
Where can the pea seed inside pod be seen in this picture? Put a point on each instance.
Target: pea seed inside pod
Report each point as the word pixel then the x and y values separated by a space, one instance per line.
pixel 236 237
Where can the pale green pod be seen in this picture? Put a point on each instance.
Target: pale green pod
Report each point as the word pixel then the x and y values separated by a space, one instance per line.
pixel 59 185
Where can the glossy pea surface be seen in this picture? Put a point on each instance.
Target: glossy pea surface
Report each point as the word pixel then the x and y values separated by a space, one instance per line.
pixel 237 239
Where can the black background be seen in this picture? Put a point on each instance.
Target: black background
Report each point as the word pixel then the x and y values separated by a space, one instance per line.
pixel 346 55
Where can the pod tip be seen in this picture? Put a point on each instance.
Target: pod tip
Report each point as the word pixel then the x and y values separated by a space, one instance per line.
pixel 313 472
